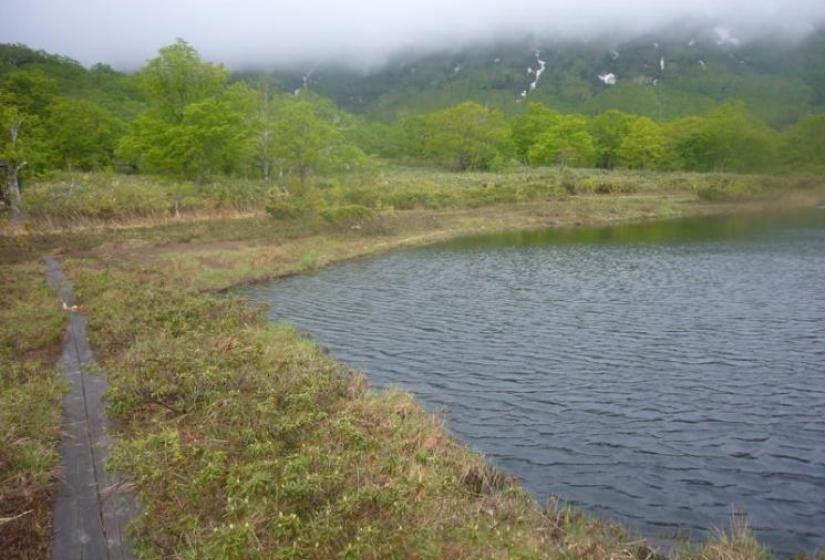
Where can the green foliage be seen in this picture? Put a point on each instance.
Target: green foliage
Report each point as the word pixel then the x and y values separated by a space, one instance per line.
pixel 178 77
pixel 726 139
pixel 467 136
pixel 283 207
pixel 82 134
pixel 30 90
pixel 734 189
pixel 304 141
pixel 643 146
pixel 197 126
pixel 527 128
pixel 566 142
pixel 609 130
pixel 25 96
pixel 804 145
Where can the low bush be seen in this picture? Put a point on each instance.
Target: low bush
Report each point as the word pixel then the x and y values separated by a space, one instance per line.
pixel 349 216
pixel 728 189
pixel 286 209
pixel 96 196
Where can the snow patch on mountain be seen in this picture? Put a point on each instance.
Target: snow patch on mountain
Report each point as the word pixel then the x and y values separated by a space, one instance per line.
pixel 609 78
pixel 542 66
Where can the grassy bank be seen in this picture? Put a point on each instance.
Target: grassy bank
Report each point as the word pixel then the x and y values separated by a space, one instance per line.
pixel 243 439
pixel 94 200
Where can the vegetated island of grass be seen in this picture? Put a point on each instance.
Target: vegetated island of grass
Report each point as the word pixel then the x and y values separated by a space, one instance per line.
pixel 242 439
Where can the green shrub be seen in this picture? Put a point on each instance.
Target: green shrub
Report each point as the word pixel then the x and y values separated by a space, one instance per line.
pixel 348 216
pixel 288 208
pixel 428 197
pixel 493 195
pixel 234 194
pixel 731 190
pixel 609 185
pixel 362 197
pixel 568 182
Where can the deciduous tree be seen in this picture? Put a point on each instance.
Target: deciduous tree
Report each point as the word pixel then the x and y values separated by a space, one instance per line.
pixel 643 147
pixel 567 142
pixel 466 136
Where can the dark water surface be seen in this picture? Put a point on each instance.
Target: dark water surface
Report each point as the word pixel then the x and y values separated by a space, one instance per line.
pixel 656 374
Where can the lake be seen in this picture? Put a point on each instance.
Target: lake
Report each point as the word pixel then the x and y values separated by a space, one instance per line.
pixel 658 374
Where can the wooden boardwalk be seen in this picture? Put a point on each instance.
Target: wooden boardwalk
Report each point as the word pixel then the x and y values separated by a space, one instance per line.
pixel 92 508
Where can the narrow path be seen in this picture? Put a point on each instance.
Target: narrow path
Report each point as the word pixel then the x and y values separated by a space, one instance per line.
pixel 92 509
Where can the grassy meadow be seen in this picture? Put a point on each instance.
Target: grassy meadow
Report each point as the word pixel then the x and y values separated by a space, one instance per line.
pixel 242 438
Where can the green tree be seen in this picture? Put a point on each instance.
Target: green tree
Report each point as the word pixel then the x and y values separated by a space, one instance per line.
pixel 415 133
pixel 728 138
pixel 83 135
pixel 30 90
pixel 196 125
pixel 804 143
pixel 526 128
pixel 302 139
pixel 685 145
pixel 24 97
pixel 609 130
pixel 567 142
pixel 643 147
pixel 177 77
pixel 466 136
pixel 214 135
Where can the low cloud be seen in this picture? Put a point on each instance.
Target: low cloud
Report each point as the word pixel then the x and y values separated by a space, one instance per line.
pixel 360 33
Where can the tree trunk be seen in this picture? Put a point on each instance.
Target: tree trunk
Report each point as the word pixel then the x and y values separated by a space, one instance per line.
pixel 13 171
pixel 267 170
pixel 14 190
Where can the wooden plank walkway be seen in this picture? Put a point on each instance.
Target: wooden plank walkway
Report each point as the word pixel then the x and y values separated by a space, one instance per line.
pixel 92 508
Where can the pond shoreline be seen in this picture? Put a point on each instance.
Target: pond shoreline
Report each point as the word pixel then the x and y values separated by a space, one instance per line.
pixel 361 313
pixel 132 283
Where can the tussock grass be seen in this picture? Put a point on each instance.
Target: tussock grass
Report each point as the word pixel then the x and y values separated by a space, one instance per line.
pixel 94 200
pixel 31 330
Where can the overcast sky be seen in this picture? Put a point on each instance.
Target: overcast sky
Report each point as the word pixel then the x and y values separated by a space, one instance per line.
pixel 363 32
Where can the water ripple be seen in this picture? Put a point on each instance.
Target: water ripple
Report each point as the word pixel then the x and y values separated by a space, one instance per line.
pixel 658 377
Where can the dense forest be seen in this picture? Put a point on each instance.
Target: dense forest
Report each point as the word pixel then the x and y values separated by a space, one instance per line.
pixel 193 120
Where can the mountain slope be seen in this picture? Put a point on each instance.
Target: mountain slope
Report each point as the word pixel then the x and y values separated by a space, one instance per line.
pixel 663 75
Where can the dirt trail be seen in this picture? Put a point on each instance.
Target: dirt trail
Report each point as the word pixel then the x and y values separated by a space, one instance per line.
pixel 92 508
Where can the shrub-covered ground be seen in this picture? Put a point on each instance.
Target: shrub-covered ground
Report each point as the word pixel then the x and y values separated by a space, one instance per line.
pixel 93 199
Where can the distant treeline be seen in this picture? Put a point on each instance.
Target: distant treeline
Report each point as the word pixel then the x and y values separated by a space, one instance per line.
pixel 182 117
